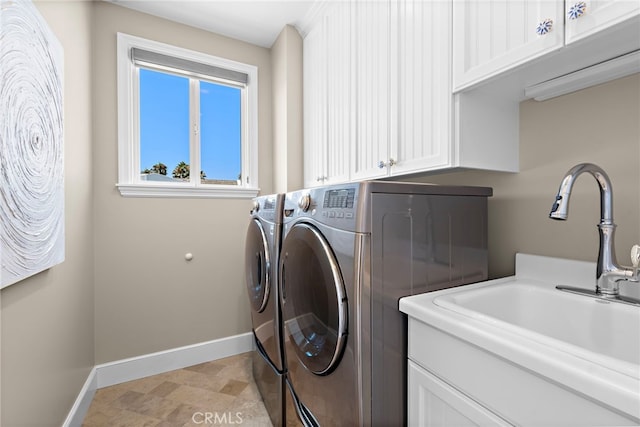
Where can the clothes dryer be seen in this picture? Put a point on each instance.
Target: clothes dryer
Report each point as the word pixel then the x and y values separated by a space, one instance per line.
pixel 349 253
pixel 262 250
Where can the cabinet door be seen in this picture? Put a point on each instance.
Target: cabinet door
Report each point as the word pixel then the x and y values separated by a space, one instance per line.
pixel 340 107
pixel 587 17
pixel 422 139
pixel 315 105
pixel 433 402
pixel 373 62
pixel 493 36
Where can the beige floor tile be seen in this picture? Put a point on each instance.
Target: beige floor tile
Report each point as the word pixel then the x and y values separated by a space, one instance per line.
pixel 109 394
pixel 234 387
pixel 209 368
pixel 127 400
pixel 201 398
pixel 195 379
pixel 144 385
pixel 164 388
pixel 183 414
pixel 185 397
pixel 130 419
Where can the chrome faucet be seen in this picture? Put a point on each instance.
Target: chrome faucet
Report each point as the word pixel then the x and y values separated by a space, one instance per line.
pixel 608 272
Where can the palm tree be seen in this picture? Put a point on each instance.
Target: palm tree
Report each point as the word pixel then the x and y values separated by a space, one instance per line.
pixel 181 171
pixel 159 167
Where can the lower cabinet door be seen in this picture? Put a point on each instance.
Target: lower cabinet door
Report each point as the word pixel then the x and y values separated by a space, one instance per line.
pixel 434 403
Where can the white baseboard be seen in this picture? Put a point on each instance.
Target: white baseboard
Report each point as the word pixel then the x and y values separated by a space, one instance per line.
pixel 138 367
pixel 83 401
pixel 163 361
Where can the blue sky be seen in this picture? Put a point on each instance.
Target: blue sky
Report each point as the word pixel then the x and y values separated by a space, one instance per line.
pixel 164 124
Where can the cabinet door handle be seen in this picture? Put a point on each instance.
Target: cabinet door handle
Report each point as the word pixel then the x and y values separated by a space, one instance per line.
pixel 382 164
pixel 544 27
pixel 577 10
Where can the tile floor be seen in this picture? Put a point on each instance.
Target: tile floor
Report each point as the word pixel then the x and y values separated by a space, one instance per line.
pixel 220 393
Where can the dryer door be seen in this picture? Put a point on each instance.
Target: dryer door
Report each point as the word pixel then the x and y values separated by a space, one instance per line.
pixel 258 265
pixel 314 301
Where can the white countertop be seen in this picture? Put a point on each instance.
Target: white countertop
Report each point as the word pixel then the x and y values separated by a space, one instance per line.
pixel 586 372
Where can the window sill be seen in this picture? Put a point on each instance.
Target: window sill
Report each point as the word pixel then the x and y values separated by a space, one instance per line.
pixel 174 191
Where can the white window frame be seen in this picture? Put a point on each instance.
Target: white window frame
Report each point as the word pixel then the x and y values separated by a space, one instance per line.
pixel 129 182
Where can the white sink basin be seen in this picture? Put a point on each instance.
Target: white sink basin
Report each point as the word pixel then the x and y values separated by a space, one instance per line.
pixel 517 344
pixel 587 327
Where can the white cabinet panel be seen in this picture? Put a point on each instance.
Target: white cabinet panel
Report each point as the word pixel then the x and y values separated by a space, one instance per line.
pixel 372 46
pixel 434 403
pixel 493 36
pixel 328 97
pixel 403 88
pixel 339 92
pixel 422 139
pixel 592 16
pixel 378 99
pixel 314 104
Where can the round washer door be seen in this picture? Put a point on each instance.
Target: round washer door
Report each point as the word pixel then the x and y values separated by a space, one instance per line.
pixel 314 301
pixel 258 265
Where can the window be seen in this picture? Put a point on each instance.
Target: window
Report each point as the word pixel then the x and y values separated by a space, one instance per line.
pixel 181 111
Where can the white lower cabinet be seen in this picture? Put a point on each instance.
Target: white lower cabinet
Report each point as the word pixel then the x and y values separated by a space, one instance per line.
pixel 455 381
pixel 434 403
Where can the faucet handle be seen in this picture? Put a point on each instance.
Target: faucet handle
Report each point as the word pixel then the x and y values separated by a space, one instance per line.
pixel 635 256
pixel 635 260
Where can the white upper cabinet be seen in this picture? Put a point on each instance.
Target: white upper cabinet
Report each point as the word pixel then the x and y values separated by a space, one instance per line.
pixel 380 89
pixel 374 98
pixel 493 36
pixel 397 87
pixel 314 105
pixel 422 131
pixel 587 17
pixel 339 92
pixel 328 96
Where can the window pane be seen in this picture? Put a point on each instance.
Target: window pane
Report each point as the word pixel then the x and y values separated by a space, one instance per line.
pixel 220 118
pixel 164 126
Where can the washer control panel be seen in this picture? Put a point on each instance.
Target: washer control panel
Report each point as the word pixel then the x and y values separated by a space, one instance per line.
pixel 339 198
pixel 334 206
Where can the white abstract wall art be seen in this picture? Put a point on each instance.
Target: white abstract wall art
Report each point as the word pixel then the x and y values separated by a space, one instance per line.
pixel 31 143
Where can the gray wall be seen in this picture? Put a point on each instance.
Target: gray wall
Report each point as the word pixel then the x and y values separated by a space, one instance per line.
pixel 286 57
pixel 47 320
pixel 598 125
pixel 148 298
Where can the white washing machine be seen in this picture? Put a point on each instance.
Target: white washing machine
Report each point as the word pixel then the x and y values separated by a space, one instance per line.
pixel 263 241
pixel 349 253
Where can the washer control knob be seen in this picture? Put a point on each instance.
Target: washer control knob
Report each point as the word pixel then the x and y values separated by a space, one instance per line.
pixel 256 206
pixel 305 202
